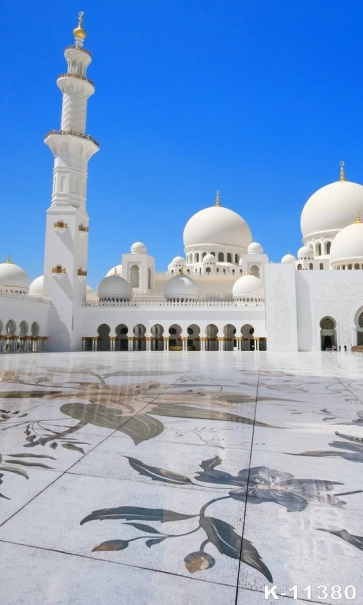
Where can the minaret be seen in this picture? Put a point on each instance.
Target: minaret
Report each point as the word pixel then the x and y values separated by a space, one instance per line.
pixel 66 242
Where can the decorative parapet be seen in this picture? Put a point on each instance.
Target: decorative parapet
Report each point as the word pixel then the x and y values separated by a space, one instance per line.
pixel 69 75
pixel 74 134
pixel 60 225
pixel 165 303
pixel 82 228
pixel 81 272
pixel 58 270
pixel 21 296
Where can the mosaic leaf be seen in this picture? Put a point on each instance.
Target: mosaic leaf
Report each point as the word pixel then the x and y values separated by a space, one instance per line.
pixel 356 541
pixel 27 394
pixel 142 527
pixel 251 557
pixel 154 541
pixel 30 456
pixel 71 446
pixel 32 464
pixel 136 513
pixel 158 474
pixel 223 536
pixel 141 428
pixel 17 471
pixel 187 411
pixel 111 545
pixel 96 414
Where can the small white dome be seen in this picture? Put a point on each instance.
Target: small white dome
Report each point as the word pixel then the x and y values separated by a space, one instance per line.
pixel 305 252
pixel 36 288
pixel 114 286
pixel 209 258
pixel 288 258
pixel 178 260
pixel 138 248
pixel 181 286
pixel 13 278
pixel 218 226
pixel 331 208
pixel 347 246
pixel 247 286
pixel 255 248
pixel 113 272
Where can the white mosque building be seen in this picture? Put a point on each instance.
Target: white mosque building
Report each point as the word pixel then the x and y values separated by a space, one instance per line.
pixel 223 295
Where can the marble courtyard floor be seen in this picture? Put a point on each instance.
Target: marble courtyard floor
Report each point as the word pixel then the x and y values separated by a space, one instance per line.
pixel 181 478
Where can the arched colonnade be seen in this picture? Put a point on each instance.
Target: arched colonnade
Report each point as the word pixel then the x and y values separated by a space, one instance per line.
pixel 21 338
pixel 173 338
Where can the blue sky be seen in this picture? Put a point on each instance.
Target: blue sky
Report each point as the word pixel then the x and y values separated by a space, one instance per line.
pixel 258 99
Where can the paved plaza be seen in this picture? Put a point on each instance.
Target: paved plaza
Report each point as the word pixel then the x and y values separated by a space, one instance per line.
pixel 181 478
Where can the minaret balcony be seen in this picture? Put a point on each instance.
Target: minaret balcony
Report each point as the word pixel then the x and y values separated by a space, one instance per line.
pixel 82 228
pixel 73 82
pixel 82 50
pixel 81 272
pixel 55 140
pixel 60 226
pixel 70 75
pixel 58 270
pixel 74 134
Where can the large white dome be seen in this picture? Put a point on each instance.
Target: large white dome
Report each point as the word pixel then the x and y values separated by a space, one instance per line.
pixel 13 278
pixel 347 246
pixel 117 270
pixel 181 286
pixel 248 286
pixel 218 226
pixel 114 286
pixel 331 208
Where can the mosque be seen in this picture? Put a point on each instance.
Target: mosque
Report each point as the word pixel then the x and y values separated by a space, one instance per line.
pixel 223 295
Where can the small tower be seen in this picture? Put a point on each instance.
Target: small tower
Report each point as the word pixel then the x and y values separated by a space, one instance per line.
pixel 66 241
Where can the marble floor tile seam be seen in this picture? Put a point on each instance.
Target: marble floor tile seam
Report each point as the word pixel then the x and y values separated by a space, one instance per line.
pixel 59 475
pixel 121 564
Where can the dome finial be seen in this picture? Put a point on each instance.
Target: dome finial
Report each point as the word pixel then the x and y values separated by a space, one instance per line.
pixel 181 271
pixel 342 171
pixel 78 32
pixel 115 271
pixel 357 219
pixel 8 260
pixel 218 198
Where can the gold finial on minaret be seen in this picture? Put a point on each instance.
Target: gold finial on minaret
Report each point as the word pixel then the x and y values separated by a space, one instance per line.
pixel 78 31
pixel 8 260
pixel 218 198
pixel 357 218
pixel 342 171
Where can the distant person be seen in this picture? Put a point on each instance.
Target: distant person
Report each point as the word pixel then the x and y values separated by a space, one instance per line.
pixel 345 348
